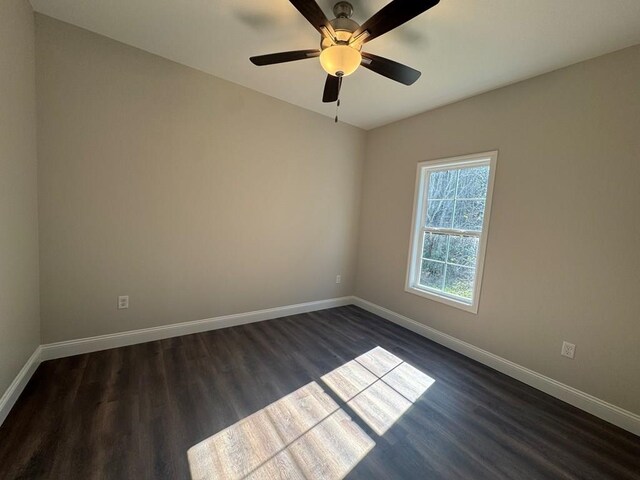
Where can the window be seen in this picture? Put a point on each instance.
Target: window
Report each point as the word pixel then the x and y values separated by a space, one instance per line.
pixel 449 234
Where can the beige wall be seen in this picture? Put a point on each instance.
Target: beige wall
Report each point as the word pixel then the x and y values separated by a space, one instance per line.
pixel 563 256
pixel 19 321
pixel 192 195
pixel 198 198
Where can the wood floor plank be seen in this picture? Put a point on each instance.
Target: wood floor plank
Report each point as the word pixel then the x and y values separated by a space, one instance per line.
pixel 318 395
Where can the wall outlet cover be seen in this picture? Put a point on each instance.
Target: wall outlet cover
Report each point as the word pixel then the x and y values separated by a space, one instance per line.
pixel 123 302
pixel 568 350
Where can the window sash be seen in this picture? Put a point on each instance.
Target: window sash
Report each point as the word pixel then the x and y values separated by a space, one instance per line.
pixel 419 258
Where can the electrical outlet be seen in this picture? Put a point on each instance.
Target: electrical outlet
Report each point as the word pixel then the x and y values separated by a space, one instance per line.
pixel 568 350
pixel 123 302
pixel 338 278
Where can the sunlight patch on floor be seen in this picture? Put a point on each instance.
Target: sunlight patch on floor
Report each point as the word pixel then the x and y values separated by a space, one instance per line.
pixel 378 386
pixel 306 435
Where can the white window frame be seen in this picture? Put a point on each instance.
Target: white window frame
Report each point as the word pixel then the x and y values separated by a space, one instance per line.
pixel 418 229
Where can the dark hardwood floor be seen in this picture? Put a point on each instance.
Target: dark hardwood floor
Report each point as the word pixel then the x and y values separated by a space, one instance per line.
pixel 134 412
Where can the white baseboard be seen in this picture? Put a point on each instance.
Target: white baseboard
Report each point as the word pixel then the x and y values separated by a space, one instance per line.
pixel 604 410
pixel 15 389
pixel 103 342
pixel 618 416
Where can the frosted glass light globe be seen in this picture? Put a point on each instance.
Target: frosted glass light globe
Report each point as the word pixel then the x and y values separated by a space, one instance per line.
pixel 340 60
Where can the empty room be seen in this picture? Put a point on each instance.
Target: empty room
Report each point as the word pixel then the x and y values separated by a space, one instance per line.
pixel 319 239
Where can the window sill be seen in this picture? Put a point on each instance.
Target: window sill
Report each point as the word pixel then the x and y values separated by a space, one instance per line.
pixel 467 307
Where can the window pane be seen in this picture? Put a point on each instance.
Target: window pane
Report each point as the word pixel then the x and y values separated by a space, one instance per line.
pixel 434 246
pixel 432 274
pixel 459 281
pixel 440 213
pixel 442 185
pixel 463 250
pixel 472 182
pixel 469 215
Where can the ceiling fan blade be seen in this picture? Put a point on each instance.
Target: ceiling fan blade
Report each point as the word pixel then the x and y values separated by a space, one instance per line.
pixel 390 69
pixel 331 89
pixel 391 16
pixel 315 16
pixel 282 57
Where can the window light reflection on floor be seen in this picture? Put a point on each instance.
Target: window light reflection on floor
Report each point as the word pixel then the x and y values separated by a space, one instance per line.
pixel 378 386
pixel 306 435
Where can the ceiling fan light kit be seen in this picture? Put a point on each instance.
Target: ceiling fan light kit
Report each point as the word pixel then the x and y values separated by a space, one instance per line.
pixel 342 39
pixel 339 57
pixel 340 60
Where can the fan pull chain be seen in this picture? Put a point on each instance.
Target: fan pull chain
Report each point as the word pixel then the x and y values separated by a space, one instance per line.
pixel 338 100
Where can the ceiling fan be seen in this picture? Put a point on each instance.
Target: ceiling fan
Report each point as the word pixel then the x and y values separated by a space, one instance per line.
pixel 342 39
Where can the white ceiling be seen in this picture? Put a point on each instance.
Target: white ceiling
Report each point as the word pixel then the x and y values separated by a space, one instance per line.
pixel 462 47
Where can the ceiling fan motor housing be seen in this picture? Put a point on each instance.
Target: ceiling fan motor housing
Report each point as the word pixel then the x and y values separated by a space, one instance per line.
pixel 342 24
pixel 345 25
